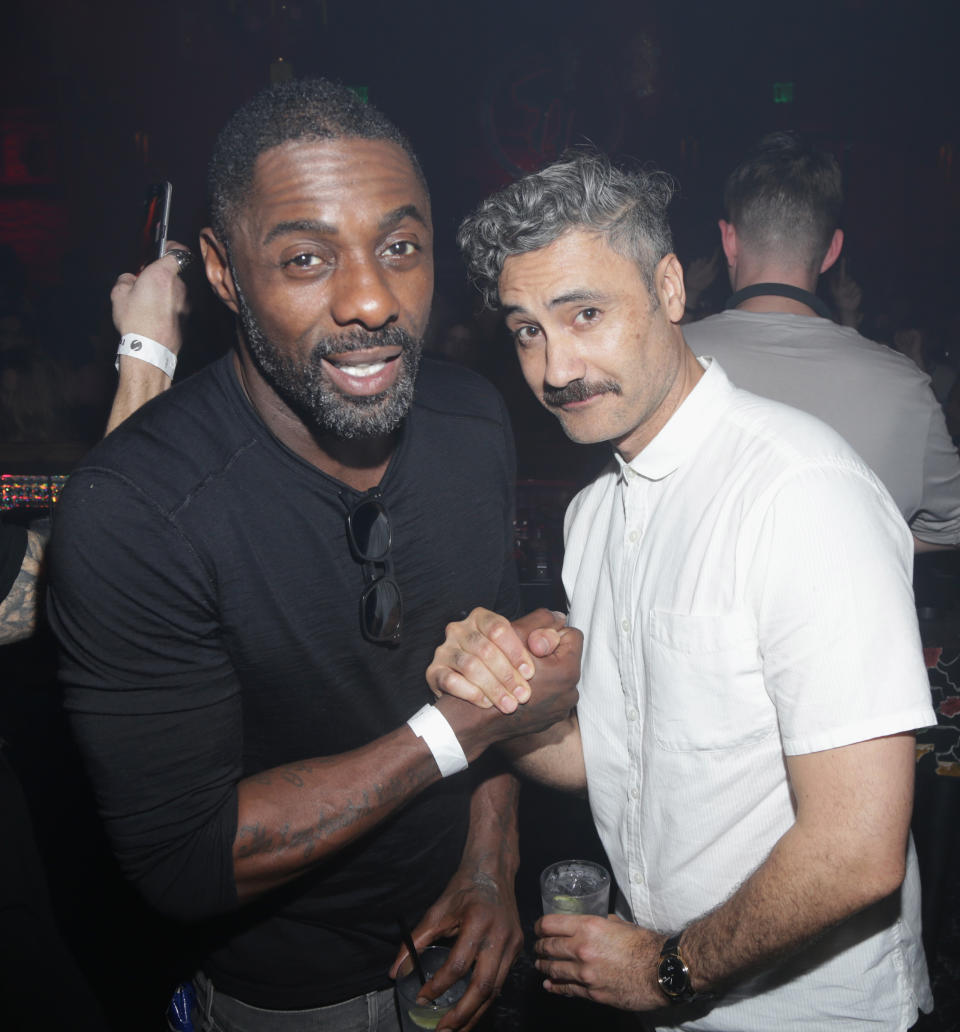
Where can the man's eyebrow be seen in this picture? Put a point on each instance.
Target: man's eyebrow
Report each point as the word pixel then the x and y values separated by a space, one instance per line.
pixel 571 297
pixel 395 217
pixel 388 221
pixel 577 297
pixel 300 226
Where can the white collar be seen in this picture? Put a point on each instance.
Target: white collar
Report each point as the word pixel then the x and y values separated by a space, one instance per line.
pixel 686 429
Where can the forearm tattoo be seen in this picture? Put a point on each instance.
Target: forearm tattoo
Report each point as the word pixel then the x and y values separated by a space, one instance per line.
pixel 356 807
pixel 20 609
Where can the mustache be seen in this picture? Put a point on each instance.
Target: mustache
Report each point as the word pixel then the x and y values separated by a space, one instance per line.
pixel 357 339
pixel 578 390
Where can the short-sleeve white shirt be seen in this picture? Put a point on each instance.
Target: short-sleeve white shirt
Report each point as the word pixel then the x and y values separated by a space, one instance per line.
pixel 744 589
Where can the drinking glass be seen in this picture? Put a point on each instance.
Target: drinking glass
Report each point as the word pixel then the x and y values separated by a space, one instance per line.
pixel 415 1017
pixel 575 887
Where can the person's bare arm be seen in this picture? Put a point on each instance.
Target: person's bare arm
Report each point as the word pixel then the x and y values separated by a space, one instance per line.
pixel 845 851
pixel 553 758
pixel 20 610
pixel 293 816
pixel 153 304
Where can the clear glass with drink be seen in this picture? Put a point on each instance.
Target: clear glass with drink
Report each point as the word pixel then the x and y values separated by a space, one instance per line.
pixel 415 1017
pixel 575 887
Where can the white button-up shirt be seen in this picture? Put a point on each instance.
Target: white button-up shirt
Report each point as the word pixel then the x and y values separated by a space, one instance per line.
pixel 744 589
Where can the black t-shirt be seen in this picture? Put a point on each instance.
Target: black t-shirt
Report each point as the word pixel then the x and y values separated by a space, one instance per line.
pixel 207 606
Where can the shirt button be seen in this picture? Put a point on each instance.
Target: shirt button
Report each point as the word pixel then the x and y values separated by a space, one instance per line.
pixel 632 714
pixel 637 879
pixel 634 535
pixel 625 624
pixel 635 792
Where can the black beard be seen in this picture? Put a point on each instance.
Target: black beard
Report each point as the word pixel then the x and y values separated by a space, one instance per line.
pixel 304 386
pixel 577 390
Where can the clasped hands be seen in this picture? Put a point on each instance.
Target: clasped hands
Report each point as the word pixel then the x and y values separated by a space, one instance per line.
pixel 489 661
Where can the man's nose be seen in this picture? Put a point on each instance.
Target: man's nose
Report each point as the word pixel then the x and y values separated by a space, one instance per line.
pixel 362 295
pixel 563 363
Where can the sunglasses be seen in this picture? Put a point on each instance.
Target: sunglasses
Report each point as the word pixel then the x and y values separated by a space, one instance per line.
pixel 371 535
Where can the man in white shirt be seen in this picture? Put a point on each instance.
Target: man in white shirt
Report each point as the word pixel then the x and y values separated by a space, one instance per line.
pixel 752 671
pixel 777 338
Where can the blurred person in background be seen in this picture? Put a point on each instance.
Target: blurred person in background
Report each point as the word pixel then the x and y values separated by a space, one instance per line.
pixel 777 339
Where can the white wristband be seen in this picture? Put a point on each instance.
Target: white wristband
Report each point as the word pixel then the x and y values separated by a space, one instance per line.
pixel 432 726
pixel 147 350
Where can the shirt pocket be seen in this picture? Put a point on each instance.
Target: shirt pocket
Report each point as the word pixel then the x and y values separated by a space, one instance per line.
pixel 704 681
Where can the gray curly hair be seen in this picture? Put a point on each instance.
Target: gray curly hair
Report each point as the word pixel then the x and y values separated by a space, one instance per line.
pixel 581 191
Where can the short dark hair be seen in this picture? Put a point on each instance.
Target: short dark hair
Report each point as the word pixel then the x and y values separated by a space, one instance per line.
pixel 583 190
pixel 301 109
pixel 786 195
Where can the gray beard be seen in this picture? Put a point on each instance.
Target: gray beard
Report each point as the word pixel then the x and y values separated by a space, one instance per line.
pixel 304 386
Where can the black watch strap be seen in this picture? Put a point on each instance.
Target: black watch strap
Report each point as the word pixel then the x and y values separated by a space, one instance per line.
pixel 674 975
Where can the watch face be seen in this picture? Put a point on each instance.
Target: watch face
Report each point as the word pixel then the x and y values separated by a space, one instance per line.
pixel 673 974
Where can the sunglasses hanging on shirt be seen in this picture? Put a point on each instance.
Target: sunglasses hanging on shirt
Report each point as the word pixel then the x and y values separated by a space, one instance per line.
pixel 370 534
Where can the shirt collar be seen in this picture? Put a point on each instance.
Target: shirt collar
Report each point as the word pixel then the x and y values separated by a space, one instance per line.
pixel 686 429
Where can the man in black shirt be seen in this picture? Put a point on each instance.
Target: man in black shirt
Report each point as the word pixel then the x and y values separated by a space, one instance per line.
pixel 250 578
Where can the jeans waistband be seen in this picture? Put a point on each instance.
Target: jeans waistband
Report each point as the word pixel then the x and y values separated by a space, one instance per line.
pixel 218 1012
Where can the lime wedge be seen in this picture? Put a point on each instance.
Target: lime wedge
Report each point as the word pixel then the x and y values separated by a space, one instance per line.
pixel 568 904
pixel 425 1019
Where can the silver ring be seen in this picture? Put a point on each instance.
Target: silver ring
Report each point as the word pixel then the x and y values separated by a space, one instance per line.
pixel 183 256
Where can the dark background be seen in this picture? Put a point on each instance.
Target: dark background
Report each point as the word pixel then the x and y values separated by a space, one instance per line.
pixel 100 98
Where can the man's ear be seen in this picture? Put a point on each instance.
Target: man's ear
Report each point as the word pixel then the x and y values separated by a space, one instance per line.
pixel 728 241
pixel 833 251
pixel 218 268
pixel 668 280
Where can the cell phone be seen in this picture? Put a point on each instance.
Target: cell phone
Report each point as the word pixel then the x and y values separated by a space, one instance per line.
pixel 156 219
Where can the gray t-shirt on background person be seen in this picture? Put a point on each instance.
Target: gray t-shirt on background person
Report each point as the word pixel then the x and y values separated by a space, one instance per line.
pixel 873 396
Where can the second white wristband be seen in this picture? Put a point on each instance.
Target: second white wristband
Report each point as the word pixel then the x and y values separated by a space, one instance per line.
pixel 147 350
pixel 432 726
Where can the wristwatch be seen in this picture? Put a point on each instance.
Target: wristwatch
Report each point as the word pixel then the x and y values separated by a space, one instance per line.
pixel 674 975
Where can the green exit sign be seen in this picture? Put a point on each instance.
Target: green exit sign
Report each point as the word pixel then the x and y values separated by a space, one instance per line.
pixel 362 92
pixel 783 93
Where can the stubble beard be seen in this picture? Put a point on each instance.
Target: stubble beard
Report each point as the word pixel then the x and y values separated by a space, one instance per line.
pixel 303 384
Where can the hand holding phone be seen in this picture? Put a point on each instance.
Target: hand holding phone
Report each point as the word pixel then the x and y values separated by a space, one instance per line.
pixel 155 223
pixel 152 303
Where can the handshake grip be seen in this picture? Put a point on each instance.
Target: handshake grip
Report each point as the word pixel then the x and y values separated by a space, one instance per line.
pixel 553 697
